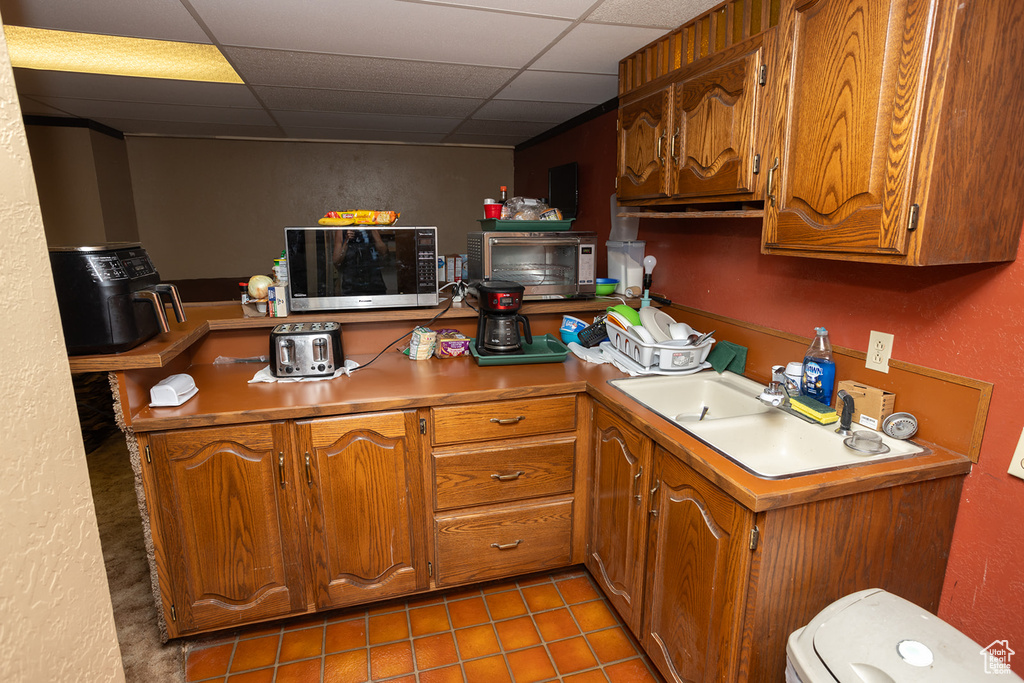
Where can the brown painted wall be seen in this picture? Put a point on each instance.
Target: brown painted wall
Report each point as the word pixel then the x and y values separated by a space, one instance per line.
pixel 967 320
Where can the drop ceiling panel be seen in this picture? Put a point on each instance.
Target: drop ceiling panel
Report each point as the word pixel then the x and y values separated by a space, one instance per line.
pixel 128 89
pixel 193 129
pixel 595 48
pixel 160 19
pixel 306 70
pixel 653 13
pixel 558 86
pixel 99 110
pixel 515 110
pixel 318 119
pixel 301 133
pixel 566 9
pixel 524 129
pixel 381 28
pixel 306 99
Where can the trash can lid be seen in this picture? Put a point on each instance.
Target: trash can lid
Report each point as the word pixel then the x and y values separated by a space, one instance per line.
pixel 874 635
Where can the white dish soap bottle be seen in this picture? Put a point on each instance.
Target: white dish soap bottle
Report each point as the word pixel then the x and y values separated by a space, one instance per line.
pixel 819 369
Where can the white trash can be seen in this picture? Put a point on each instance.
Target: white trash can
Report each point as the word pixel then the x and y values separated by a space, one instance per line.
pixel 876 637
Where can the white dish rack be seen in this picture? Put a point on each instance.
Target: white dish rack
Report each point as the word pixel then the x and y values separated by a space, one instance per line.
pixel 668 356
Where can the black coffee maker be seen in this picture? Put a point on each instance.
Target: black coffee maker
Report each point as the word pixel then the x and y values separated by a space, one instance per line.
pixel 497 331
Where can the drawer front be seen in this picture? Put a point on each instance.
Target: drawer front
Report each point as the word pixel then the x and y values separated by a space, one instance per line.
pixel 503 419
pixel 490 545
pixel 525 470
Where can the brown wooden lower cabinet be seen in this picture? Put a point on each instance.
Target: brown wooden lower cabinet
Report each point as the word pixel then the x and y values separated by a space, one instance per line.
pixel 714 590
pixel 257 521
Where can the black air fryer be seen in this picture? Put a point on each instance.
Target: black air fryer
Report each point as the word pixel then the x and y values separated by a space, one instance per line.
pixel 109 297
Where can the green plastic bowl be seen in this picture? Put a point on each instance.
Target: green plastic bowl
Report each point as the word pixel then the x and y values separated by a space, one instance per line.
pixel 627 312
pixel 606 285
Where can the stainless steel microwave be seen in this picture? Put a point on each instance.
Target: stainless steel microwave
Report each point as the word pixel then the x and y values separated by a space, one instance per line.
pixel 361 267
pixel 550 265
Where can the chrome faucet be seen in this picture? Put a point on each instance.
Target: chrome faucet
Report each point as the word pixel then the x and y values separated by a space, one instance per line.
pixel 779 389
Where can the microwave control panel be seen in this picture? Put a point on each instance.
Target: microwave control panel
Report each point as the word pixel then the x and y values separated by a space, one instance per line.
pixel 587 265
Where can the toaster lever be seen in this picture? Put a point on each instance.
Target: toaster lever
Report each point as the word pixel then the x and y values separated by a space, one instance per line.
pixel 319 350
pixel 287 348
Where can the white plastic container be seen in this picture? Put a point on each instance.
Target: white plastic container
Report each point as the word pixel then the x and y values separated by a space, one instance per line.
pixel 626 264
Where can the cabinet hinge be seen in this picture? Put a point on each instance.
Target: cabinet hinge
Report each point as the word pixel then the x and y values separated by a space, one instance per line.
pixel 174 613
pixel 430 569
pixel 912 218
pixel 423 426
pixel 762 75
pixel 755 535
pixel 148 458
pixel 757 164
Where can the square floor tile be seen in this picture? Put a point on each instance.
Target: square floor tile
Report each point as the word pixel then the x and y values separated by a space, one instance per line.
pixel 572 655
pixel 346 667
pixel 386 628
pixel 301 644
pixel 393 659
pixel 208 662
pixel 529 666
pixel 518 633
pixel 448 674
pixel 469 612
pixel 556 624
pixel 611 645
pixel 592 676
pixel 429 619
pixel 487 670
pixel 542 597
pixel 299 672
pixel 255 653
pixel 630 671
pixel 505 605
pixel 434 651
pixel 259 676
pixel 345 635
pixel 477 641
pixel 594 615
pixel 578 589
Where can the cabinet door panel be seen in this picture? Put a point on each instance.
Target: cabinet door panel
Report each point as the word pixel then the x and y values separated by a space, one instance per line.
pixel 363 484
pixel 850 124
pixel 228 532
pixel 643 146
pixel 619 514
pixel 713 147
pixel 698 567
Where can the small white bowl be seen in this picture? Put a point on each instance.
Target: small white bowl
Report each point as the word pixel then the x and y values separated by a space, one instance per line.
pixel 680 330
pixel 643 333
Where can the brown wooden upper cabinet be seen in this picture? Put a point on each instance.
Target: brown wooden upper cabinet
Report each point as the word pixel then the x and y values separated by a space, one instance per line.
pixel 899 139
pixel 886 129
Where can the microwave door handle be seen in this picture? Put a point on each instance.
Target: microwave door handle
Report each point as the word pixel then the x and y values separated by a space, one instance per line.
pixel 158 307
pixel 518 241
pixel 172 291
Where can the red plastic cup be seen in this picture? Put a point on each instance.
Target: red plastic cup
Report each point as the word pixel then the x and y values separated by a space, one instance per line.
pixel 492 210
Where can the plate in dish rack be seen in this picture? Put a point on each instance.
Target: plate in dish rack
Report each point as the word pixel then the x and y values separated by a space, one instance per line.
pixel 656 321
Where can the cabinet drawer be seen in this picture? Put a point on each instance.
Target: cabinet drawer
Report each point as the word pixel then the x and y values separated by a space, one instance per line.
pixel 503 419
pixel 525 470
pixel 488 545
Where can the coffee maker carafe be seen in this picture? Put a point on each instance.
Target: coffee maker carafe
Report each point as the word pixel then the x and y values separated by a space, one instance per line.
pixel 497 330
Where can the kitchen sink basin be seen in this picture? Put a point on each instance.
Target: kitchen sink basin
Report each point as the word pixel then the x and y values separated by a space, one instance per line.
pixel 765 441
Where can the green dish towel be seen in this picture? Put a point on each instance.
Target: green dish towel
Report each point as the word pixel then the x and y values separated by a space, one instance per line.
pixel 728 356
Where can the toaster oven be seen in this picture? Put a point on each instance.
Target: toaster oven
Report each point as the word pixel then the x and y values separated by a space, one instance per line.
pixel 549 265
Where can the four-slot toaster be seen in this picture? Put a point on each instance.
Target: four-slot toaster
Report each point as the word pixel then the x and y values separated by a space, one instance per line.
pixel 306 349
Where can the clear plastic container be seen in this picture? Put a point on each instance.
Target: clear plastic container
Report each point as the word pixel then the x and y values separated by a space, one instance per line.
pixel 626 264
pixel 819 375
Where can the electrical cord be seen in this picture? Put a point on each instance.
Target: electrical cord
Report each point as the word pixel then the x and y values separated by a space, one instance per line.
pixel 426 324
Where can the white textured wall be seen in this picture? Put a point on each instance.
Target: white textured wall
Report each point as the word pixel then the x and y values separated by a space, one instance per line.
pixel 56 622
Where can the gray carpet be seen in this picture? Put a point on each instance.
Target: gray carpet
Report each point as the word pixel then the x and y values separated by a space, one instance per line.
pixel 144 656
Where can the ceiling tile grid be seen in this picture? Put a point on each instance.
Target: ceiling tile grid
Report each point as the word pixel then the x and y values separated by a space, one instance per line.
pixel 469 72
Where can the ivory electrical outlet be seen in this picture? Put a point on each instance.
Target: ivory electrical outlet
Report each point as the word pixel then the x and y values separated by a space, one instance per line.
pixel 879 351
pixel 1017 462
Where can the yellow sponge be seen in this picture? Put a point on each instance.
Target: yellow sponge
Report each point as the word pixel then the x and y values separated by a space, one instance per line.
pixel 816 410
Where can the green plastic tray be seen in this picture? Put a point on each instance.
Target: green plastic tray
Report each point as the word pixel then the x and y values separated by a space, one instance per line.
pixel 546 349
pixel 494 224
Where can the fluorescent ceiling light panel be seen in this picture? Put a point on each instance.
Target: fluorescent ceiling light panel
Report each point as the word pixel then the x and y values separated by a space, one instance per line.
pixel 32 48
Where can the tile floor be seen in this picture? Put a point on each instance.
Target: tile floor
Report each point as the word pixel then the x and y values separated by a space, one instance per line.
pixel 551 627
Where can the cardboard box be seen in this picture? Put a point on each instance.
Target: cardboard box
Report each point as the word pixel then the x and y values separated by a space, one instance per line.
pixel 870 405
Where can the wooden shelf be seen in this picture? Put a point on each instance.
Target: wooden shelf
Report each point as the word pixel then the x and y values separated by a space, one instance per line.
pixel 737 213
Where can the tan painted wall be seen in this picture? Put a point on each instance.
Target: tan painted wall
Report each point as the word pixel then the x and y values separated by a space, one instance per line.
pixel 218 208
pixel 56 621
